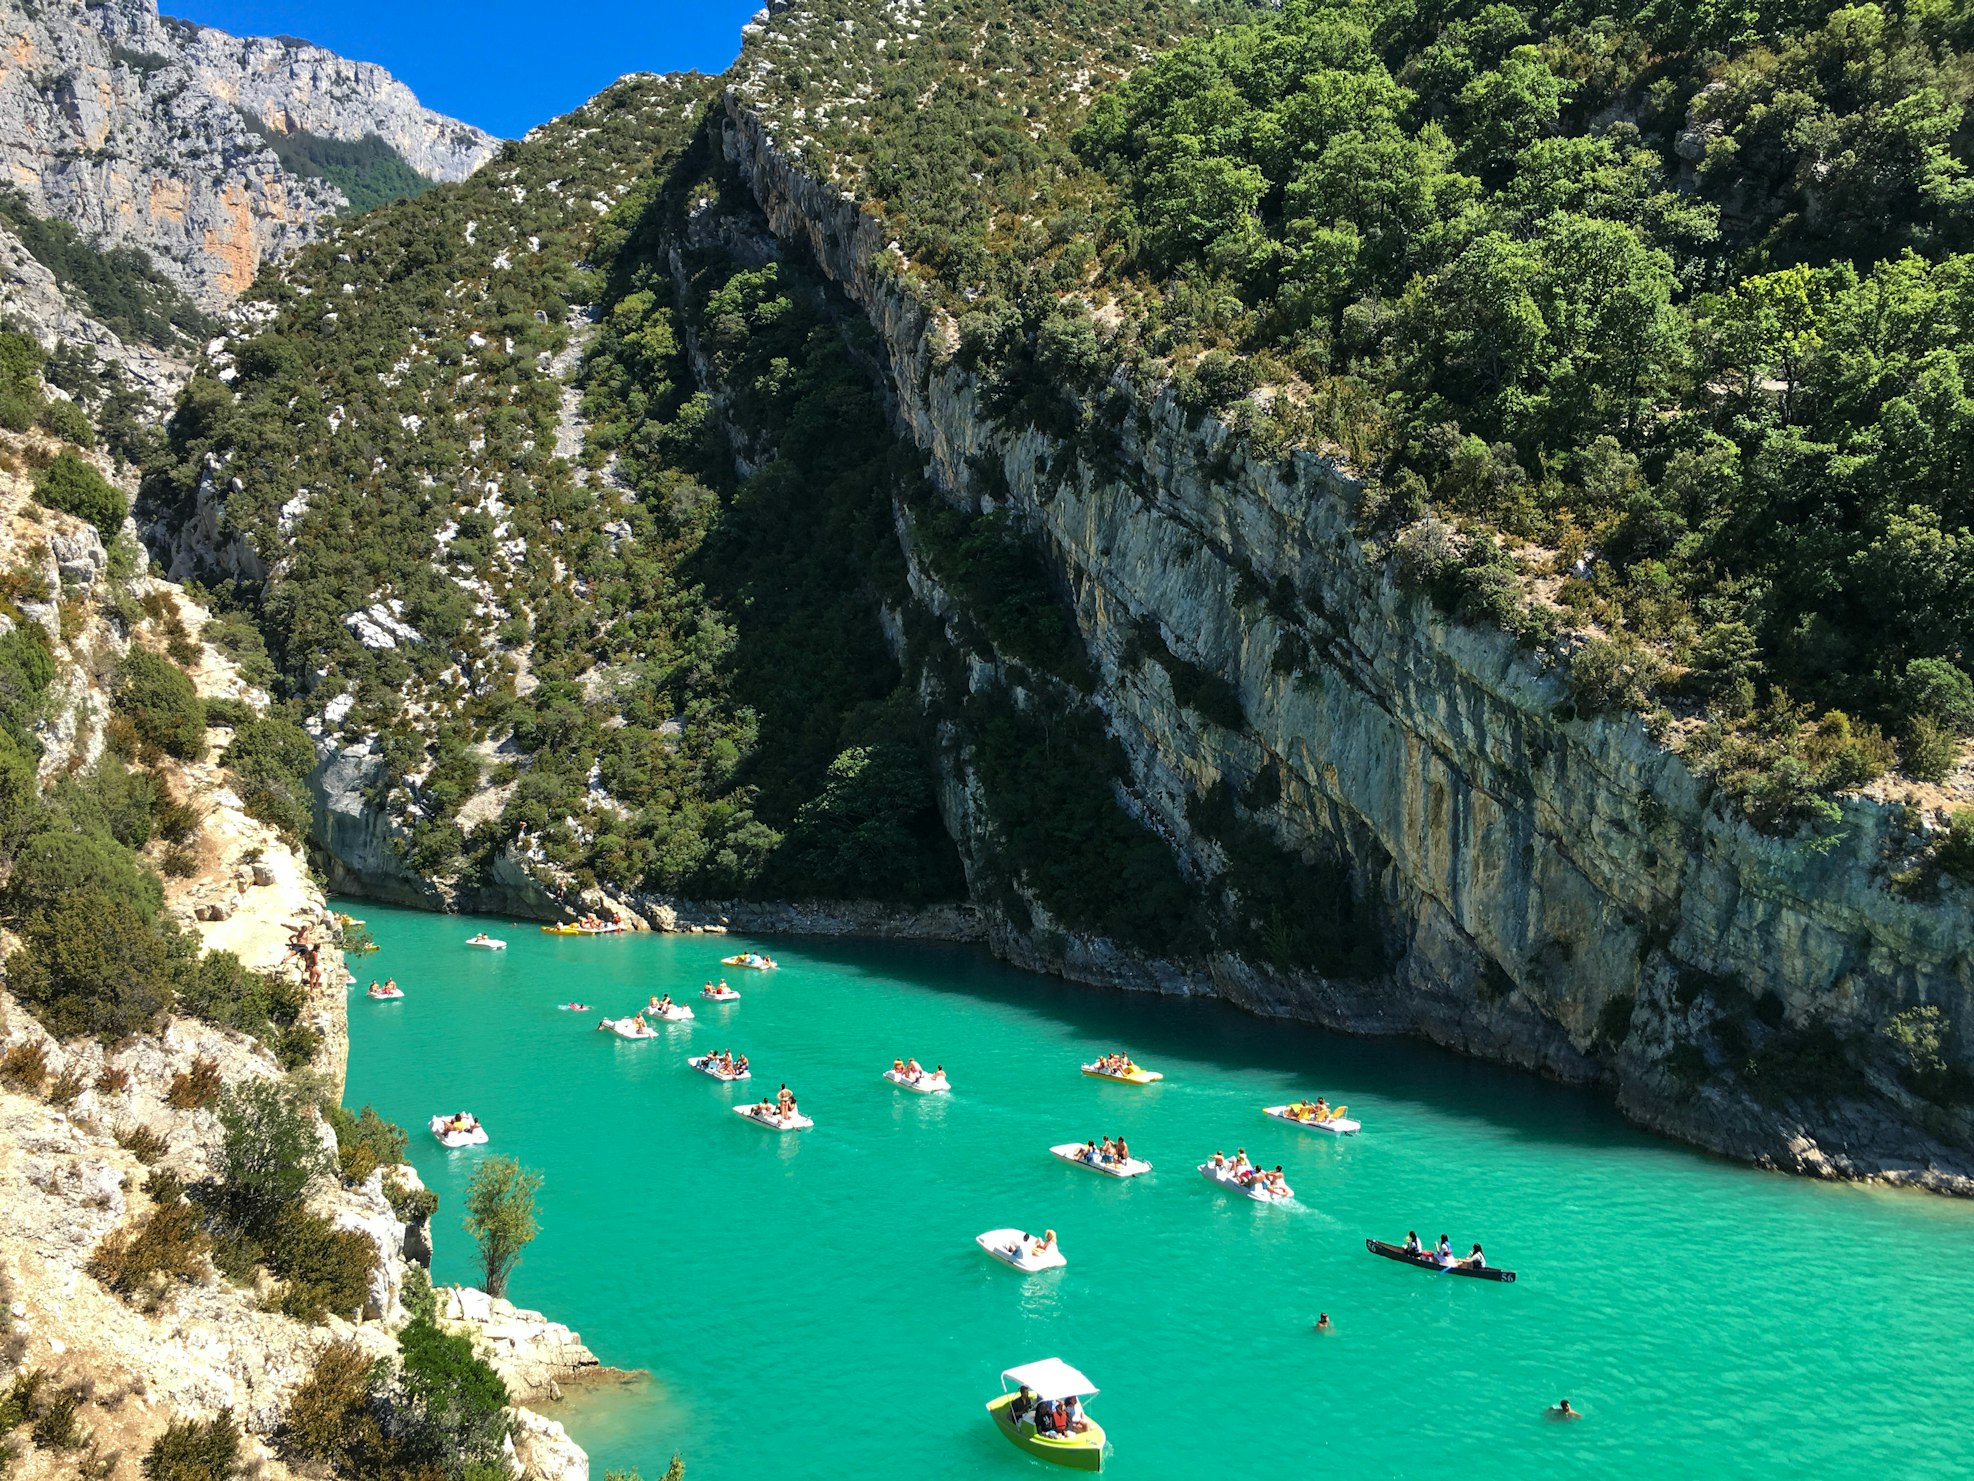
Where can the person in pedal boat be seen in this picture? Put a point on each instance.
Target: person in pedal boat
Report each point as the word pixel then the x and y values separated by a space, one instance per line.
pixel 1320 1111
pixel 1218 1161
pixel 1046 1243
pixel 740 1065
pixel 1412 1245
pixel 914 1070
pixel 1240 1164
pixel 1090 1153
pixel 1123 1152
pixel 897 1067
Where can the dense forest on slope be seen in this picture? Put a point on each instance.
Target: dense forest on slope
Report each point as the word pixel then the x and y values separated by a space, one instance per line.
pixel 1649 325
pixel 556 605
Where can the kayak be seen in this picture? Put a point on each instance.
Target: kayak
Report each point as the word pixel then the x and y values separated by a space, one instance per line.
pixel 773 1121
pixel 626 1028
pixel 485 943
pixel 707 1065
pixel 1072 1153
pixel 475 1136
pixel 924 1082
pixel 1255 1189
pixel 751 960
pixel 1136 1075
pixel 719 994
pixel 1427 1262
pixel 1016 1248
pixel 1336 1123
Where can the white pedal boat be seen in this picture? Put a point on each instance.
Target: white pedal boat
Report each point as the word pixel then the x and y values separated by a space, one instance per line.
pixel 1335 1124
pixel 797 1122
pixel 1072 1153
pixel 924 1082
pixel 486 943
pixel 627 1028
pixel 1016 1247
pixel 677 1013
pixel 385 995
pixel 719 994
pixel 707 1065
pixel 1256 1190
pixel 449 1137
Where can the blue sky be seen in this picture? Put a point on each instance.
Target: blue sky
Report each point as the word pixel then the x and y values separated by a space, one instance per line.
pixel 501 65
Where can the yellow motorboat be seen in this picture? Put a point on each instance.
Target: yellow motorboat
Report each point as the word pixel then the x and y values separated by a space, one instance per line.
pixel 1131 1074
pixel 1053 1380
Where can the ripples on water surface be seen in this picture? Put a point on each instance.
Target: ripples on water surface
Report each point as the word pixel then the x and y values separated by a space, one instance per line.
pixel 813 1304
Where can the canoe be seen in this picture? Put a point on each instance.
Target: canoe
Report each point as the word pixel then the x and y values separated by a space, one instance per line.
pixel 796 1122
pixel 926 1083
pixel 996 1242
pixel 1255 1190
pixel 1427 1262
pixel 1081 1452
pixel 1072 1153
pixel 1139 1076
pixel 1336 1125
pixel 488 945
pixel 450 1140
pixel 707 1065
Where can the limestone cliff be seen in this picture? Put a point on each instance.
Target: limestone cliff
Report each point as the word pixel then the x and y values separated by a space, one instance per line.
pixel 147 131
pixel 1552 892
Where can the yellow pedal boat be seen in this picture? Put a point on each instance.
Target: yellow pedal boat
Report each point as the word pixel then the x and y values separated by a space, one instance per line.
pixel 1136 1074
pixel 1051 1378
pixel 562 930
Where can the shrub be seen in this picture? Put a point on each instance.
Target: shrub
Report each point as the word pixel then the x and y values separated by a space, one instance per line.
pixel 455 1403
pixel 195 1450
pixel 113 1080
pixel 327 1269
pixel 66 420
pixel 1941 691
pixel 500 1215
pixel 160 701
pixel 55 867
pixel 1930 749
pixel 140 1263
pixel 408 1203
pixel 1916 1039
pixel 1956 851
pixel 269 1154
pixel 25 1067
pixel 365 1142
pixel 1612 674
pixel 332 1415
pixel 196 1088
pixel 141 1142
pixel 66 1087
pixel 73 486
pixel 55 1425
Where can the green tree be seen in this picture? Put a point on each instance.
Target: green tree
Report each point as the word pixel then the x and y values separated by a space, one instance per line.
pixel 269 1154
pixel 160 701
pixel 500 1215
pixel 195 1450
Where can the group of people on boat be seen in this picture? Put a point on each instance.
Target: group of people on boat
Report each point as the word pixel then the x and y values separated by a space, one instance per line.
pixel 779 1109
pixel 1247 1174
pixel 1109 1153
pixel 722 991
pixel 915 1072
pixel 460 1122
pixel 1115 1064
pixel 387 989
pixel 594 922
pixel 660 1005
pixel 1027 1247
pixel 635 1022
pixel 1442 1254
pixel 1047 1416
pixel 1312 1110
pixel 730 1064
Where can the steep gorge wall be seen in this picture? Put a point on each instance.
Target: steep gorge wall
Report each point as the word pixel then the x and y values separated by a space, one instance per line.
pixel 1550 892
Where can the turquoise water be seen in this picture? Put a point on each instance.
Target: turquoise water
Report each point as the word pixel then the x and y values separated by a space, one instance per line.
pixel 813 1304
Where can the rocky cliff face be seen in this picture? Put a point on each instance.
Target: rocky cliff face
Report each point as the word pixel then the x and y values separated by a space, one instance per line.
pixel 153 132
pixel 1551 892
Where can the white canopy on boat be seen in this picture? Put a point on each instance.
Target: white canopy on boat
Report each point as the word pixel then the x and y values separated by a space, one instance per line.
pixel 1051 1378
